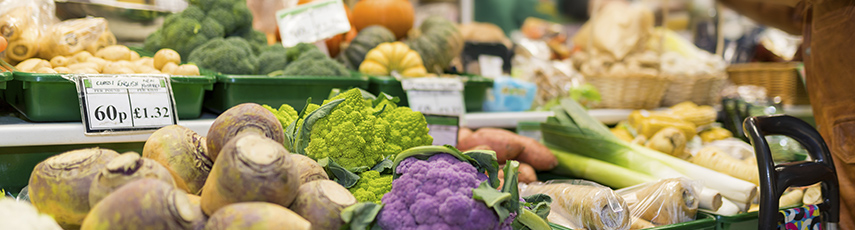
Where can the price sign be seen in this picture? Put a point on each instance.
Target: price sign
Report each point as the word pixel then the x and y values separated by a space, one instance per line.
pixel 312 22
pixel 442 96
pixel 125 103
pixel 443 129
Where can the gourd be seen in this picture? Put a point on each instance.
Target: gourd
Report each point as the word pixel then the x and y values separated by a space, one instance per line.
pixel 365 40
pixel 397 15
pixel 394 56
pixel 438 41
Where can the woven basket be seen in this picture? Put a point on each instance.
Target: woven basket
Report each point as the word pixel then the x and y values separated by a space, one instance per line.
pixel 779 79
pixel 630 91
pixel 702 89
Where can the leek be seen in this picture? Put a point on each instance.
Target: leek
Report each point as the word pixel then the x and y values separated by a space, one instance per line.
pixel 577 166
pixel 573 129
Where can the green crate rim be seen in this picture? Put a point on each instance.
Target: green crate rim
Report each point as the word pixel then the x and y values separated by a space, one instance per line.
pixel 702 221
pixel 6 76
pixel 49 77
pixel 264 79
pixel 476 79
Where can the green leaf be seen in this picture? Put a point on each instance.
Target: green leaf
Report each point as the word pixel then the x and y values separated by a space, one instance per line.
pixel 539 204
pixel 359 169
pixel 384 166
pixel 305 108
pixel 512 184
pixel 303 135
pixel 493 198
pixel 367 95
pixel 385 97
pixel 360 216
pixel 485 160
pixel 527 219
pixel 290 135
pixel 334 92
pixel 337 173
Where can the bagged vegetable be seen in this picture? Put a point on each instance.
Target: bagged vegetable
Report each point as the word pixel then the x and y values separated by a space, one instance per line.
pixel 23 24
pixel 580 204
pixel 668 201
pixel 75 35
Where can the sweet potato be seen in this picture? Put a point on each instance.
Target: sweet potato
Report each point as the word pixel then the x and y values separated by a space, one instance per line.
pixel 509 146
pixel 463 133
pixel 527 174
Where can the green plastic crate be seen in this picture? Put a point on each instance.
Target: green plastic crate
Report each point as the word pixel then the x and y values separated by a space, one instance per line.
pixel 17 163
pixel 231 90
pixel 702 221
pixel 4 77
pixel 49 97
pixel 474 90
pixel 742 221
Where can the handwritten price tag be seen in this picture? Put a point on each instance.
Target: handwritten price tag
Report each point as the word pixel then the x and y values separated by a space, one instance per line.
pixel 443 129
pixel 312 22
pixel 111 104
pixel 441 96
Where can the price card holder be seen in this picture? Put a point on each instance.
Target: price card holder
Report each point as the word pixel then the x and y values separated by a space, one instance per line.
pixel 441 96
pixel 312 22
pixel 443 129
pixel 111 104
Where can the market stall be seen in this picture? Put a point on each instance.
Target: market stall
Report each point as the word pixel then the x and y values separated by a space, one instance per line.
pixel 387 114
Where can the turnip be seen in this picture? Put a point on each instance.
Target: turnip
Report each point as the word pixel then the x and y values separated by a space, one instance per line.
pixel 310 170
pixel 252 168
pixel 122 170
pixel 183 152
pixel 321 202
pixel 256 215
pixel 243 118
pixel 145 204
pixel 59 185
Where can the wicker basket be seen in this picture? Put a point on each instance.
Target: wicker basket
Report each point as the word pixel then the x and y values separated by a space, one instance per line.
pixel 702 89
pixel 631 91
pixel 779 79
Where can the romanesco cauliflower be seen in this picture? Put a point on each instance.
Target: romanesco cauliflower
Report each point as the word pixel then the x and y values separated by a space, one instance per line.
pixel 285 114
pixel 354 136
pixel 371 186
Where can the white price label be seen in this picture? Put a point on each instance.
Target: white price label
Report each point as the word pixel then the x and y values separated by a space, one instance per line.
pixel 312 22
pixel 442 96
pixel 443 129
pixel 125 103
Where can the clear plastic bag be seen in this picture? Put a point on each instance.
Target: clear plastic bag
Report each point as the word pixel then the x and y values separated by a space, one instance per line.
pixel 580 204
pixel 667 201
pixel 71 36
pixel 23 24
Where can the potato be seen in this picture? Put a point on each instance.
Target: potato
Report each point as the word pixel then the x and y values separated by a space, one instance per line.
pixel 146 69
pixel 98 61
pixel 169 68
pixel 32 64
pixel 45 70
pixel 81 56
pixel 145 61
pixel 187 70
pixel 145 204
pixel 114 53
pixel 134 56
pixel 121 70
pixel 164 56
pixel 62 70
pixel 59 61
pixel 81 65
pixel 59 186
pixel 85 70
pixel 183 152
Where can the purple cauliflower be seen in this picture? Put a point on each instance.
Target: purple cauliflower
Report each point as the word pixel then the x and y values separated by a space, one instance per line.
pixel 436 194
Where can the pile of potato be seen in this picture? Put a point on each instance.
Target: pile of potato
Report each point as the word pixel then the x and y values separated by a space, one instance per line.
pixel 114 59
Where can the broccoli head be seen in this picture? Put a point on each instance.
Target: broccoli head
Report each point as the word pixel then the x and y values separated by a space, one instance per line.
pixel 193 12
pixel 229 57
pixel 226 19
pixel 208 5
pixel 316 67
pixel 178 34
pixel 152 41
pixel 371 186
pixel 211 28
pixel 273 59
pixel 242 15
pixel 256 38
pixel 297 50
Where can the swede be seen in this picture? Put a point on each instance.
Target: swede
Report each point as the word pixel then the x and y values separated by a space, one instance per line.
pixel 145 204
pixel 321 202
pixel 243 118
pixel 59 186
pixel 310 170
pixel 256 215
pixel 183 152
pixel 122 170
pixel 252 168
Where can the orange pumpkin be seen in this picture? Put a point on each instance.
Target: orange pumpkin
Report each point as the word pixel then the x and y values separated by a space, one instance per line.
pixel 396 15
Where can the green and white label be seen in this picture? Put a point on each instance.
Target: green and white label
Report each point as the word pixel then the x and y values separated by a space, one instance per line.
pixel 312 22
pixel 441 96
pixel 443 129
pixel 115 104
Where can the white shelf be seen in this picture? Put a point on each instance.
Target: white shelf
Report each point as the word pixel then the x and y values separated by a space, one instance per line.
pixel 16 132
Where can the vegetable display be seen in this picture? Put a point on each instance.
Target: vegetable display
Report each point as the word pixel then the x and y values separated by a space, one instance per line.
pixel 510 146
pixel 123 169
pixel 321 202
pixel 393 57
pixel 183 152
pixel 256 215
pixel 365 40
pixel 583 205
pixel 438 41
pixel 145 204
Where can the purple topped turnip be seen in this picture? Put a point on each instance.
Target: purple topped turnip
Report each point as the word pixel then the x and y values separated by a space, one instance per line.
pixel 183 152
pixel 145 204
pixel 243 118
pixel 122 170
pixel 309 169
pixel 321 202
pixel 256 215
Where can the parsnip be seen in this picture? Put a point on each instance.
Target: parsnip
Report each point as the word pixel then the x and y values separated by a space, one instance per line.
pixel 713 158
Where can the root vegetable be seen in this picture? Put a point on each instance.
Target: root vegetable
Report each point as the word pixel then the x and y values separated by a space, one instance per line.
pixel 145 204
pixel 812 195
pixel 791 198
pixel 715 159
pixel 134 56
pixel 252 168
pixel 59 186
pixel 22 215
pixel 510 146
pixel 668 201
pixel 62 70
pixel 256 215
pixel 164 56
pixel 59 61
pixel 187 70
pixel 32 64
pixel 463 133
pixel 582 206
pixel 671 141
pixel 169 68
pixel 124 169
pixel 183 152
pixel 45 70
pixel 84 65
pixel 114 53
pixel 121 70
pixel 526 173
pixel 310 170
pixel 243 118
pixel 638 223
pixel 79 57
pixel 321 202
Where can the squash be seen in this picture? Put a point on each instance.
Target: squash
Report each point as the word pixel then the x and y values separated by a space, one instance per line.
pixel 364 41
pixel 438 41
pixel 394 56
pixel 397 15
